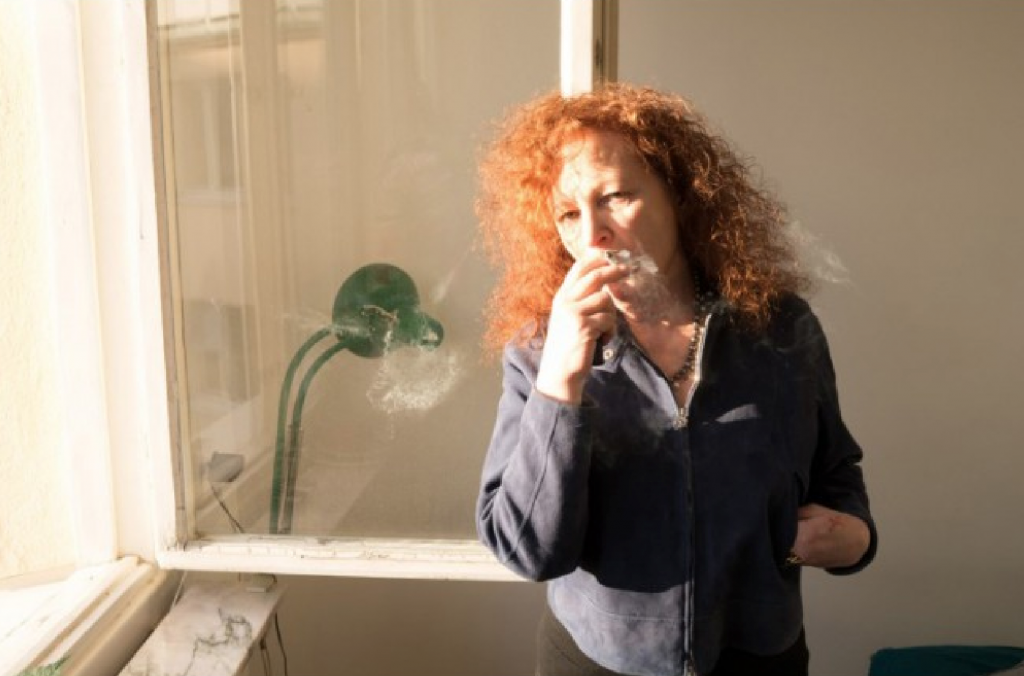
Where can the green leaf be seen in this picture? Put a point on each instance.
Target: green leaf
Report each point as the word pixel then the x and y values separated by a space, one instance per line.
pixel 46 670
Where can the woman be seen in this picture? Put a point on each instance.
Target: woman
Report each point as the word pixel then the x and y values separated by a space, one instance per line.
pixel 668 449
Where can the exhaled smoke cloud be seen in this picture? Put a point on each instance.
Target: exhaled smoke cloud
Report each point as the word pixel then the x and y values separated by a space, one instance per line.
pixel 645 290
pixel 821 263
pixel 414 380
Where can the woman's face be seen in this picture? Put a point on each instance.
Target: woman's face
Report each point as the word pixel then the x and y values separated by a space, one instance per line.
pixel 606 199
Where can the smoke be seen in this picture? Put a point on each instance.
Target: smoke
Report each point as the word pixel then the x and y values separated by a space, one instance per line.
pixel 441 289
pixel 645 290
pixel 414 380
pixel 821 263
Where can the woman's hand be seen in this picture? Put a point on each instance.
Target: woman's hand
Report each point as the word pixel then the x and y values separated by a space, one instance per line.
pixel 581 312
pixel 826 538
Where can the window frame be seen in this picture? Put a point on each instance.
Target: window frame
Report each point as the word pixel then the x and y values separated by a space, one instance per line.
pixel 95 188
pixel 587 55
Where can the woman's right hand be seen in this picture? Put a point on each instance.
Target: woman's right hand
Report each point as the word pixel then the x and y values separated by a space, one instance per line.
pixel 581 312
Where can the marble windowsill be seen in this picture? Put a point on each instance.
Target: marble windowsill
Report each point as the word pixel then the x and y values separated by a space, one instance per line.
pixel 209 632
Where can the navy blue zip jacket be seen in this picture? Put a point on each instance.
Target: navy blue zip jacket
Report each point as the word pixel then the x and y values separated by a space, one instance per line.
pixel 664 536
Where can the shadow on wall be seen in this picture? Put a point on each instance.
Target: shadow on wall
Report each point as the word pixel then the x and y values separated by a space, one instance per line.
pixel 363 627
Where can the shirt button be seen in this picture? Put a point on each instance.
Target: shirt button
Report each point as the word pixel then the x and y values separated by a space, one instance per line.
pixel 608 353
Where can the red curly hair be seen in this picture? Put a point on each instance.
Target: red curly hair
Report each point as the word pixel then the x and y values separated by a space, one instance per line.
pixel 731 231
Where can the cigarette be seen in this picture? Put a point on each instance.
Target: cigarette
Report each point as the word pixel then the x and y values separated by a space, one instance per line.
pixel 635 262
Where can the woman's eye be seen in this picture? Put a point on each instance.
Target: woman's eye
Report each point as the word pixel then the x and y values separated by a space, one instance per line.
pixel 615 197
pixel 567 216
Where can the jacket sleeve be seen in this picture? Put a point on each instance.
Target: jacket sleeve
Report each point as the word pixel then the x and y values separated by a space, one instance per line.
pixel 532 507
pixel 837 480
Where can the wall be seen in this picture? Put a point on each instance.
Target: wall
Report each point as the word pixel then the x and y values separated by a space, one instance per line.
pixel 405 627
pixel 36 533
pixel 895 131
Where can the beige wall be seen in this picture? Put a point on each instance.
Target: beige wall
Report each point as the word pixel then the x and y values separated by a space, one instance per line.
pixel 895 131
pixel 34 529
pixel 409 628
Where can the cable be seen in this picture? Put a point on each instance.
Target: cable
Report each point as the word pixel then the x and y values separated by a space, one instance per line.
pixel 177 592
pixel 265 657
pixel 280 642
pixel 234 522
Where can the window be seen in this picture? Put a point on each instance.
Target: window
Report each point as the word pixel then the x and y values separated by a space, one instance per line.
pixel 161 399
pixel 85 188
pixel 318 171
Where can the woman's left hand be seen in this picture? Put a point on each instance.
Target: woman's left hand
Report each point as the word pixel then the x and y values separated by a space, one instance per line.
pixel 826 538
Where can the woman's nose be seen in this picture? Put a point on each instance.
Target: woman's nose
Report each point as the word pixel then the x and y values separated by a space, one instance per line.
pixel 594 231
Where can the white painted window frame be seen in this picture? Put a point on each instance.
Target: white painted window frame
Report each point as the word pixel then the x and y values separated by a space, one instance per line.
pixel 587 58
pixel 79 357
pixel 95 150
pixel 589 44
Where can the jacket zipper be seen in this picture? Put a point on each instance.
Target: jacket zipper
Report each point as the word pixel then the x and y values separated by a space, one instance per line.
pixel 683 422
pixel 680 422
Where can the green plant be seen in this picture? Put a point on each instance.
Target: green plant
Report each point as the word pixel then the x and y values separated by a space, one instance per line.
pixel 47 669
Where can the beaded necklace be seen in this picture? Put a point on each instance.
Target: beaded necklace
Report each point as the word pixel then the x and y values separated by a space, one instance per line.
pixel 699 312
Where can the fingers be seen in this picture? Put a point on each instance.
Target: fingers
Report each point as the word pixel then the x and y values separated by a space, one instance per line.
pixel 829 539
pixel 584 294
pixel 583 291
pixel 582 311
pixel 590 276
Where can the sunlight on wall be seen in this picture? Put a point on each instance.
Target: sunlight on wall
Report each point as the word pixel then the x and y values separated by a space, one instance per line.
pixel 35 533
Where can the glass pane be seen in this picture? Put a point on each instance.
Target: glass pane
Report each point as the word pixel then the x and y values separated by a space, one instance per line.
pixel 302 141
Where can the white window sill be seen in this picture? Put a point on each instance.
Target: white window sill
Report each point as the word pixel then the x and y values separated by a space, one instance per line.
pixel 299 555
pixel 96 618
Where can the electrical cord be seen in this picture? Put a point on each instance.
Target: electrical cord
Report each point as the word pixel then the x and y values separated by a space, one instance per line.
pixel 264 649
pixel 181 586
pixel 234 522
pixel 265 657
pixel 280 642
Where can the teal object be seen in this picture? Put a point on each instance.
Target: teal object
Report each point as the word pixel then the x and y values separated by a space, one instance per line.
pixel 944 660
pixel 377 309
